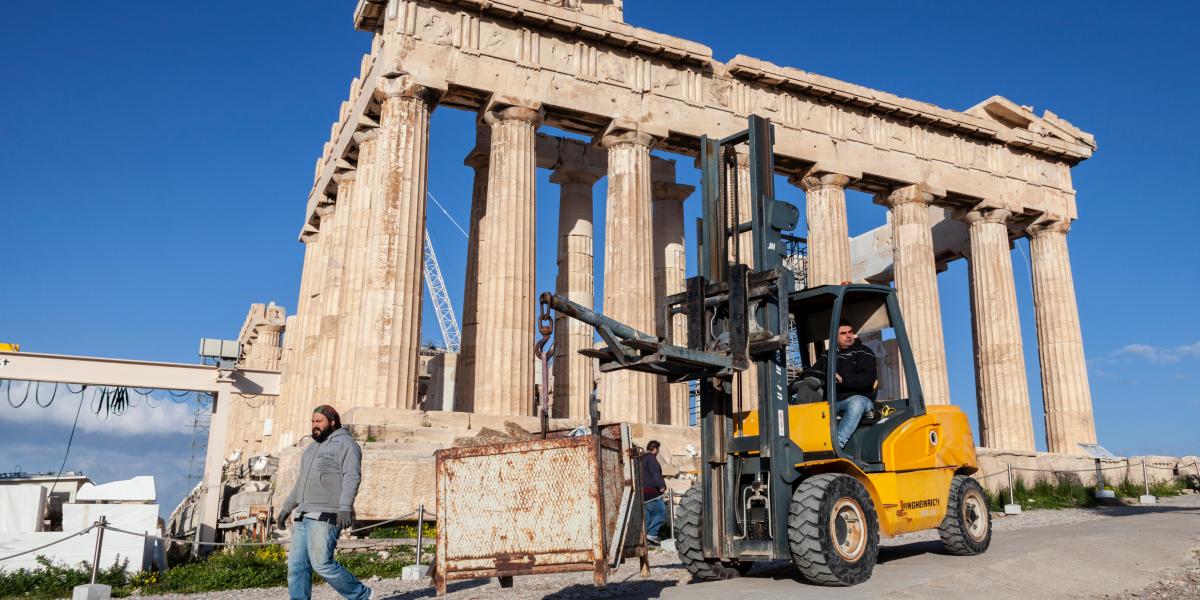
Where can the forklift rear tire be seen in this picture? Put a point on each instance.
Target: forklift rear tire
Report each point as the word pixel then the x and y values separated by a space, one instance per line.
pixel 833 530
pixel 967 528
pixel 688 541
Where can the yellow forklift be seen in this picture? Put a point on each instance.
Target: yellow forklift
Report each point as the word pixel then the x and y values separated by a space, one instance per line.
pixel 774 485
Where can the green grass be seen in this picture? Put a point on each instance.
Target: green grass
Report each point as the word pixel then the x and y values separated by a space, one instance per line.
pixel 403 532
pixel 240 568
pixel 1067 491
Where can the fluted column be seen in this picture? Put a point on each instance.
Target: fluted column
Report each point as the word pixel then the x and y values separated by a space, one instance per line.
pixel 670 273
pixel 464 386
pixel 916 284
pixel 335 276
pixel 391 305
pixel 573 372
pixel 349 366
pixel 269 336
pixel 629 268
pixel 284 437
pixel 310 330
pixel 828 232
pixel 1065 390
pixel 1005 421
pixel 507 266
pixel 403 152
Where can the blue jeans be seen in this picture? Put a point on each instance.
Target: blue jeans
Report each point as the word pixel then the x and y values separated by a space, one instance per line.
pixel 656 515
pixel 312 550
pixel 851 410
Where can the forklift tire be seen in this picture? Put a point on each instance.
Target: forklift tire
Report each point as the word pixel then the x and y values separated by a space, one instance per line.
pixel 688 541
pixel 833 530
pixel 967 528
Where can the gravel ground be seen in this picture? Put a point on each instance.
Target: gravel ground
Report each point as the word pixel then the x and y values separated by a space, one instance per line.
pixel 1182 583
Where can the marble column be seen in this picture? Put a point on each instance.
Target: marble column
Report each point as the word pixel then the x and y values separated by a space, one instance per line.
pixel 404 179
pixel 335 276
pixel 391 303
pixel 828 232
pixel 507 266
pixel 1065 390
pixel 1005 421
pixel 916 284
pixel 350 367
pixel 310 329
pixel 573 372
pixel 670 274
pixel 629 269
pixel 284 437
pixel 464 386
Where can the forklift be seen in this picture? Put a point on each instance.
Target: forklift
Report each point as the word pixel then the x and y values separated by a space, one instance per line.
pixel 773 484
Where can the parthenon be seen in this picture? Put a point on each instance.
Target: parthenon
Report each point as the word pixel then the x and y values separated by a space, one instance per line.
pixel 956 184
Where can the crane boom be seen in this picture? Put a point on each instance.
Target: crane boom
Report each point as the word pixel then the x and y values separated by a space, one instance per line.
pixel 441 299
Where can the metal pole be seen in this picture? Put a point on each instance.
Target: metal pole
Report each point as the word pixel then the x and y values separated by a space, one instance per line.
pixel 420 531
pixel 671 509
pixel 1010 485
pixel 100 525
pixel 1145 480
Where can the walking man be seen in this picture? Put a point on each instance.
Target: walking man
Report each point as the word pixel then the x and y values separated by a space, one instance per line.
pixel 653 488
pixel 321 505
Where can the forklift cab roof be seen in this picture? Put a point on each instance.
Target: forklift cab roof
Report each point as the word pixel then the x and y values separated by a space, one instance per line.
pixel 863 305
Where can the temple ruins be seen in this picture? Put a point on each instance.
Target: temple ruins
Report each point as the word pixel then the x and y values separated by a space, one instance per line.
pixel 956 184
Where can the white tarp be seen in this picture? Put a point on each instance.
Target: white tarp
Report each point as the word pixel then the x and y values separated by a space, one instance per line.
pixel 137 517
pixel 21 509
pixel 138 489
pixel 141 518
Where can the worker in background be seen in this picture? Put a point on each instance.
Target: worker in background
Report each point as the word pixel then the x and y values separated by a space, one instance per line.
pixel 855 376
pixel 321 505
pixel 653 488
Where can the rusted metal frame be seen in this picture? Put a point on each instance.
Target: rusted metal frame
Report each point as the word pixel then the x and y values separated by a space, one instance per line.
pixel 599 529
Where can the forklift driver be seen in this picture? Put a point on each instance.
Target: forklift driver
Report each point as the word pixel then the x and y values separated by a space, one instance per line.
pixel 855 380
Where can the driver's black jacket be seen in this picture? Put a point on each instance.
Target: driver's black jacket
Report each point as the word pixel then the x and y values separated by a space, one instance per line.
pixel 857 367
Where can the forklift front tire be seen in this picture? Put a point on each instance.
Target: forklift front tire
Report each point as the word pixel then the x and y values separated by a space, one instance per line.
pixel 688 542
pixel 833 530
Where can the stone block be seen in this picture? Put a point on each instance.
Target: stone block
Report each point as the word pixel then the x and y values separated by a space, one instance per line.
pixel 91 591
pixel 21 509
pixel 138 489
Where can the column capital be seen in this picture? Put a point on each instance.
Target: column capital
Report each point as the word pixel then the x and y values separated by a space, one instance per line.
pixel 670 191
pixel 405 87
pixel 625 137
pixel 917 193
pixel 513 109
pixel 619 133
pixel 986 215
pixel 363 136
pixel 576 173
pixel 345 178
pixel 1048 224
pixel 269 328
pixel 820 181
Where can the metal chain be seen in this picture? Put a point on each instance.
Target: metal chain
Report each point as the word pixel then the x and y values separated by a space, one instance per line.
pixel 234 544
pixel 73 535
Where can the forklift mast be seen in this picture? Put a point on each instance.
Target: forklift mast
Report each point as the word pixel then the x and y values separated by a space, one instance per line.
pixel 754 300
pixel 735 317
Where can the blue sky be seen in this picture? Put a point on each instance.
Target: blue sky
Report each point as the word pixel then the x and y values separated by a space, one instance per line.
pixel 157 160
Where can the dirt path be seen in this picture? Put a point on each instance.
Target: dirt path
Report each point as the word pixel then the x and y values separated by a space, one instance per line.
pixel 1110 553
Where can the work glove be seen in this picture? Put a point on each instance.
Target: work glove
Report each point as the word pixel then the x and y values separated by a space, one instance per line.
pixel 345 519
pixel 285 515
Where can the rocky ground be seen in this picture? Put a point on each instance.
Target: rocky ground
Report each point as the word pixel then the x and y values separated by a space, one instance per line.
pixel 1180 583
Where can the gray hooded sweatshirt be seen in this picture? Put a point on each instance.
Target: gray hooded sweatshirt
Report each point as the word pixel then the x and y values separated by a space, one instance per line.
pixel 329 475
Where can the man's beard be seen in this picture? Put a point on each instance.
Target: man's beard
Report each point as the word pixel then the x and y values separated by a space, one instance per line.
pixel 321 434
